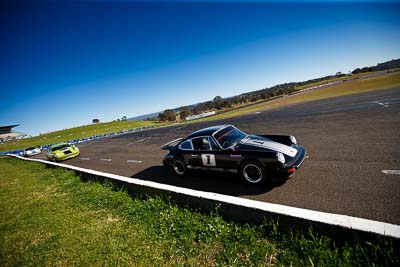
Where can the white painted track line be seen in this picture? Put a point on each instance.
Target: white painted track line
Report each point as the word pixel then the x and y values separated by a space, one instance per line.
pixel 106 160
pixel 384 105
pixel 133 161
pixel 394 172
pixel 344 221
pixel 140 140
pixel 177 128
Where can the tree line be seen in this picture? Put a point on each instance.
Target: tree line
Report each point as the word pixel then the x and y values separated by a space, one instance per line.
pixel 391 64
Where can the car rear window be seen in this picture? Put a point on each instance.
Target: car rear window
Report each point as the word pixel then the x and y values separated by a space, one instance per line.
pixel 186 145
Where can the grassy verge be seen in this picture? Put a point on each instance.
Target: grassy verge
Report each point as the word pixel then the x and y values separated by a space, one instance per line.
pixel 341 89
pixel 50 217
pixel 333 79
pixel 75 133
pixel 336 79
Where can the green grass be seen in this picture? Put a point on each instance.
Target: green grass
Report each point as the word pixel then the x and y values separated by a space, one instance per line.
pixel 50 217
pixel 341 89
pixel 335 79
pixel 74 133
pixel 330 80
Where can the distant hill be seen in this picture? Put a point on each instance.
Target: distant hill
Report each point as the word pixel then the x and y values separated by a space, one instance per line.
pixel 152 115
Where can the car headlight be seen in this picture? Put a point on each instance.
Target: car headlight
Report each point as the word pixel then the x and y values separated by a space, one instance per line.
pixel 280 157
pixel 293 139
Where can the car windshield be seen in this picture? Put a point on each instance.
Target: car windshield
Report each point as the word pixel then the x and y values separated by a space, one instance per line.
pixel 58 147
pixel 30 148
pixel 229 136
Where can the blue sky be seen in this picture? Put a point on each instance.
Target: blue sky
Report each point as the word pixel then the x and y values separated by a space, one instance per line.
pixel 65 63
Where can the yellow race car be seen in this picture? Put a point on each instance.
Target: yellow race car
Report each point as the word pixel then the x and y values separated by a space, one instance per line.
pixel 62 151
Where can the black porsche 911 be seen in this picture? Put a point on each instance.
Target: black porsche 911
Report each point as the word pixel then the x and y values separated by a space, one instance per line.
pixel 257 158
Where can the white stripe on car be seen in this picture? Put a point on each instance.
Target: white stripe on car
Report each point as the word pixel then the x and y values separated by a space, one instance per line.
pixel 287 150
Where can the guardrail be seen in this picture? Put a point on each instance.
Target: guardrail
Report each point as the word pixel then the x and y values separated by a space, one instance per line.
pixel 85 139
pixel 246 210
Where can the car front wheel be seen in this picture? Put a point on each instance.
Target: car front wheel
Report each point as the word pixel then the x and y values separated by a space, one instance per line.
pixel 179 168
pixel 252 172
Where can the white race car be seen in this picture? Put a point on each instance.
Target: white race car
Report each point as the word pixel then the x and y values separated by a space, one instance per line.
pixel 31 151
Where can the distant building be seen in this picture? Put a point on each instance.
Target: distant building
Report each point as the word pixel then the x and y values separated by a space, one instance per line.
pixel 7 134
pixel 202 115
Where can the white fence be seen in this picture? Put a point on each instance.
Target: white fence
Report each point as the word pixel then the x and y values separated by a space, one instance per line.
pixel 202 115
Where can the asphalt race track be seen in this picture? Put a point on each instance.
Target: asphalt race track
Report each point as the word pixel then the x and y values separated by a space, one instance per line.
pixel 350 140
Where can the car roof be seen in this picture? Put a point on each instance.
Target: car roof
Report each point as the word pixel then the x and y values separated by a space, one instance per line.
pixel 59 144
pixel 207 131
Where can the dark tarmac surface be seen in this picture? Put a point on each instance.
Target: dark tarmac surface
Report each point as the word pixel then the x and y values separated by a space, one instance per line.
pixel 349 140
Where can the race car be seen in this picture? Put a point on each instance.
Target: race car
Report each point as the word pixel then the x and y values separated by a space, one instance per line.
pixel 31 151
pixel 257 158
pixel 62 151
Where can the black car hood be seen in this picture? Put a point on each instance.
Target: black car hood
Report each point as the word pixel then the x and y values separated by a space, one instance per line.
pixel 253 142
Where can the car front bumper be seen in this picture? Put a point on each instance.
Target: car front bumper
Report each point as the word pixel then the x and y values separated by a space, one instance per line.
pixel 288 169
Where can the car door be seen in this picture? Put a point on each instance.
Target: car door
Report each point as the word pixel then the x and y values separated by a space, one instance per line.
pixel 227 159
pixel 205 152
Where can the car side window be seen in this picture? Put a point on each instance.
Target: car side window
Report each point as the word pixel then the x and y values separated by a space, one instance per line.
pixel 202 143
pixel 186 145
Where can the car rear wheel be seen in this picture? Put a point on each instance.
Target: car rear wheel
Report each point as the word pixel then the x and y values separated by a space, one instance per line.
pixel 179 168
pixel 252 172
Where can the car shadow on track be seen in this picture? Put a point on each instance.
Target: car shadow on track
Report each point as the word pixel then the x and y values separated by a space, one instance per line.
pixel 222 183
